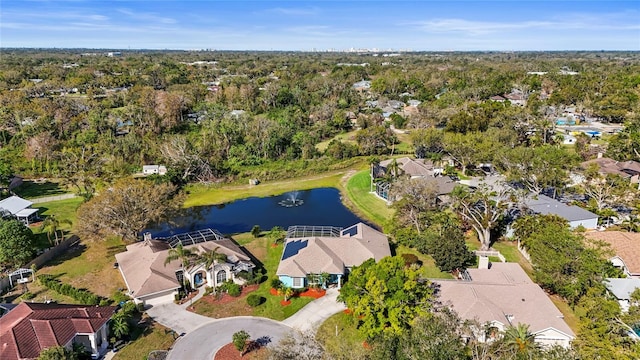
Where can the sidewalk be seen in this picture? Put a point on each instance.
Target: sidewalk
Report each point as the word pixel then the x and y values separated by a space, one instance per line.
pixel 316 312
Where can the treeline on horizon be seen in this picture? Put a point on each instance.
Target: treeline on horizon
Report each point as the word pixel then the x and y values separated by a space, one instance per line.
pixel 99 117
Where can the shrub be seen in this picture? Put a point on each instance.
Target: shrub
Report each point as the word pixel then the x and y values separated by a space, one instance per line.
pixel 28 296
pixel 410 259
pixel 255 300
pixel 276 283
pixel 234 289
pixel 240 340
pixel 208 290
pixel 82 295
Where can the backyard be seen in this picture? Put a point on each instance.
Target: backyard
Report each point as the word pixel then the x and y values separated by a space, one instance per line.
pixel 358 190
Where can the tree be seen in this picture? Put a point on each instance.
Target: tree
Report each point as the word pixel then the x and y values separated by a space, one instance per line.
pixel 240 339
pixel 16 243
pixel 183 254
pixel 603 190
pixel 537 168
pixel 297 346
pixel 375 140
pixel 255 231
pixel 448 248
pixel 57 353
pixel 212 257
pixel 434 336
pixel 51 225
pixel 412 198
pixel 386 296
pixel 276 234
pixel 481 209
pixel 625 145
pixel 120 324
pixel 519 339
pixel 128 207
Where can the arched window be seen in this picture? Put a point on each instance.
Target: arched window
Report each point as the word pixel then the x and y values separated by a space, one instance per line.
pixel 221 277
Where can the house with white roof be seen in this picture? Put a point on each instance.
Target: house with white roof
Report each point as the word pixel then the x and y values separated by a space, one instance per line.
pixel 15 206
pixel 502 295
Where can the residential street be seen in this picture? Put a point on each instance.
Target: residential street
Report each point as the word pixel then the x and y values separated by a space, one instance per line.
pixel 203 342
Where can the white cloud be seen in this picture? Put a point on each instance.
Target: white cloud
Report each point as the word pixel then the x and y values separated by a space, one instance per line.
pixel 147 17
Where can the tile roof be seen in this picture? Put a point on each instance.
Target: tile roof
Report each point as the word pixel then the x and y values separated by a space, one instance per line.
pixel 625 244
pixel 611 166
pixel 145 273
pixel 411 167
pixel 504 289
pixel 332 254
pixel 31 327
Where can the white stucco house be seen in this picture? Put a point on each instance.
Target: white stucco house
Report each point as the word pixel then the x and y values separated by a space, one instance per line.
pixel 150 281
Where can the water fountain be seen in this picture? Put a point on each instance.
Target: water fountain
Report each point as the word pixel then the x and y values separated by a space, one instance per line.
pixel 291 200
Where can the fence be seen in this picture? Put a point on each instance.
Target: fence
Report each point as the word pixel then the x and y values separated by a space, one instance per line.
pixel 45 257
pixel 52 198
pixel 491 253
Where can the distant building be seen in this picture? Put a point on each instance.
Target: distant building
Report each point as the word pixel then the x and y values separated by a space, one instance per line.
pixel 154 170
pixel 626 169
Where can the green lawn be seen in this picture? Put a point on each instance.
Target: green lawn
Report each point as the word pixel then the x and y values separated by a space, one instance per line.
pixel 199 195
pixel 154 337
pixel 348 137
pixel 338 333
pixel 62 209
pixel 371 206
pixel 31 190
pixel 429 268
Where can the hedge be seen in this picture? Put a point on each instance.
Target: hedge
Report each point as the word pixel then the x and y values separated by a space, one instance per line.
pixel 85 297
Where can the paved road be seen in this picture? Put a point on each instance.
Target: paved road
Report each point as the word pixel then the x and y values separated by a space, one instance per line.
pixel 202 343
pixel 316 312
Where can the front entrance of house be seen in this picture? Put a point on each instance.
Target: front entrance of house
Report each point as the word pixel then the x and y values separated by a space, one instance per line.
pixel 200 278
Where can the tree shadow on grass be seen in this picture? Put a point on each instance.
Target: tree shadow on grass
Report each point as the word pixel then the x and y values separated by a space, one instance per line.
pixel 71 253
pixel 39 189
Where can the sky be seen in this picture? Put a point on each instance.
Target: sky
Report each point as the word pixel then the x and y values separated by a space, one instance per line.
pixel 423 25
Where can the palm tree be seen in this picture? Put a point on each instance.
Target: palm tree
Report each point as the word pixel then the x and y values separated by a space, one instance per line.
pixel 51 225
pixel 212 257
pixel 120 325
pixel 179 253
pixel 520 339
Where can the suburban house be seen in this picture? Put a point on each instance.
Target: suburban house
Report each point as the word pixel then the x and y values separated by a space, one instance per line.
pixel 414 168
pixel 29 328
pixel 626 169
pixel 575 215
pixel 19 208
pixel 314 250
pixel 626 246
pixel 622 289
pixel 154 170
pixel 151 282
pixel 501 295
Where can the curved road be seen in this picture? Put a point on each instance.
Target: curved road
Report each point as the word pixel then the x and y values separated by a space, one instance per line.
pixel 202 343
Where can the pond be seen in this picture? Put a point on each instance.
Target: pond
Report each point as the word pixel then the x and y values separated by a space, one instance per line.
pixel 320 206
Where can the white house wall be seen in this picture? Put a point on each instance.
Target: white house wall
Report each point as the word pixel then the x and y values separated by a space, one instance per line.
pixel 587 224
pixel 159 298
pixel 550 337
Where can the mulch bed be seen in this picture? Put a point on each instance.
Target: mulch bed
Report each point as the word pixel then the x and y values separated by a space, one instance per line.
pixel 229 352
pixel 226 298
pixel 273 292
pixel 285 303
pixel 314 293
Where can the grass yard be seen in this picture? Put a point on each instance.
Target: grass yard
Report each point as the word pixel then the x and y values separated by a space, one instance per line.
pixel 339 333
pixel 348 137
pixel 569 316
pixel 31 189
pixel 371 206
pixel 429 268
pixel 154 337
pixel 269 256
pixel 90 266
pixel 199 195
pixel 62 209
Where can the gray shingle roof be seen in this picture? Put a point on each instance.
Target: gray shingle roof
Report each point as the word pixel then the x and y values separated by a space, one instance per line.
pixel 545 205
pixel 14 204
pixel 622 288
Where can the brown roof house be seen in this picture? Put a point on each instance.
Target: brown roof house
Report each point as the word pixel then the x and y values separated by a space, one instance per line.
pixel 626 247
pixel 626 169
pixel 415 169
pixel 502 295
pixel 314 250
pixel 29 328
pixel 151 282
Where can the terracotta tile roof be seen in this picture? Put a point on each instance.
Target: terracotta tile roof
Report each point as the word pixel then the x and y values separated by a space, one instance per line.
pixel 31 327
pixel 143 269
pixel 332 254
pixel 503 290
pixel 626 245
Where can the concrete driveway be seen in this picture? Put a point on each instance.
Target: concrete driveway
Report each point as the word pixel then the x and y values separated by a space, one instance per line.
pixel 316 312
pixel 203 342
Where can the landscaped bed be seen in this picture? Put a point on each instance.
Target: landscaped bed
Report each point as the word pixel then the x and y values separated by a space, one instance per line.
pixel 229 352
pixel 225 305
